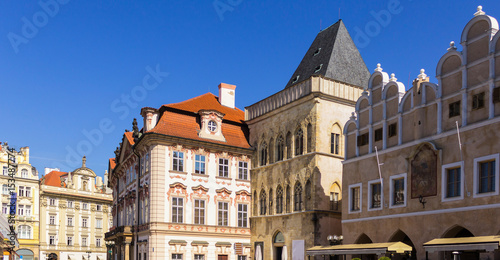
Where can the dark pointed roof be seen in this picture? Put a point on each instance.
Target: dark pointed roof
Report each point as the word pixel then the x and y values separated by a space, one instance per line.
pixel 333 55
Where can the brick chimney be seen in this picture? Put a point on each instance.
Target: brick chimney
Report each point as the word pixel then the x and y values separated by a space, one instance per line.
pixel 227 94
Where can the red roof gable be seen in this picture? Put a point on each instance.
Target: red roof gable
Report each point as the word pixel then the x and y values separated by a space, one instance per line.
pixel 130 138
pixel 53 178
pixel 112 163
pixel 186 125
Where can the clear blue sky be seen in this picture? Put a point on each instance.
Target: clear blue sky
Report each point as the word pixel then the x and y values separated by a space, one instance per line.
pixel 67 68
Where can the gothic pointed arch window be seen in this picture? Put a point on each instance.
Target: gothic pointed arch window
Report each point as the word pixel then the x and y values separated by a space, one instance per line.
pixel 297 197
pixel 279 200
pixel 263 201
pixel 280 148
pixel 263 154
pixel 299 141
pixel 335 140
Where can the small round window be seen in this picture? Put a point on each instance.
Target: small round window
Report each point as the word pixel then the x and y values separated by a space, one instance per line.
pixel 212 126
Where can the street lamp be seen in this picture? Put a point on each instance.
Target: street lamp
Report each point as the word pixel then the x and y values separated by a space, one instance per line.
pixel 88 254
pixel 335 240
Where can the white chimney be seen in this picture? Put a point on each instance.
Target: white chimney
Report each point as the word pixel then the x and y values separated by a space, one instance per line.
pixel 227 94
pixel 150 116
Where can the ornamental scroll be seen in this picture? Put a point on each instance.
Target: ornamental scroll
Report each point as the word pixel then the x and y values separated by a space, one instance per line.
pixel 423 169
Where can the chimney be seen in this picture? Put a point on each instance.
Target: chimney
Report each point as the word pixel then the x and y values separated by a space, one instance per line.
pixel 150 117
pixel 227 94
pixel 98 182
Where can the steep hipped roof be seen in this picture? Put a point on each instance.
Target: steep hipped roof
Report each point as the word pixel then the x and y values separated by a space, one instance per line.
pixel 333 55
pixel 182 120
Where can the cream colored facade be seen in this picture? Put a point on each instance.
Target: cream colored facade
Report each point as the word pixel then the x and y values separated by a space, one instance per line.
pixel 25 185
pixel 429 186
pixel 297 171
pixel 75 213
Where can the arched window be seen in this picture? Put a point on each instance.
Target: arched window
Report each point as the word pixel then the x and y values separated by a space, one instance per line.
pixel 335 140
pixel 270 202
pixel 24 231
pixel 289 145
pixel 297 197
pixel 288 195
pixel 279 200
pixel 309 138
pixel 263 202
pixel 263 154
pixel 299 142
pixel 280 148
pixel 24 173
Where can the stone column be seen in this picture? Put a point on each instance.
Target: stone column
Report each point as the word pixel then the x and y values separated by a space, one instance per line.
pixel 127 250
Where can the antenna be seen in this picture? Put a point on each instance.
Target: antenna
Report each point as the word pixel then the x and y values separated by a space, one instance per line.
pixel 380 176
pixel 461 155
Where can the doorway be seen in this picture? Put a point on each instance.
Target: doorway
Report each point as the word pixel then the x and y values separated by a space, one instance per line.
pixel 221 257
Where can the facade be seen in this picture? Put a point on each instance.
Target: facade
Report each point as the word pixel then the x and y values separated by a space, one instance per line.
pixel 181 185
pixel 25 186
pixel 297 172
pixel 435 182
pixel 75 213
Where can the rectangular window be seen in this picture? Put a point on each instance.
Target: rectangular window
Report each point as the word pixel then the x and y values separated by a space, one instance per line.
pixel 174 257
pixel 355 199
pixel 335 143
pixel 84 241
pixel 453 179
pixel 242 257
pixel 334 201
pixel 98 207
pixel 98 223
pixel 378 134
pixel 5 189
pixel 85 206
pixel 70 241
pixel 222 213
pixel 70 221
pixel 199 164
pixel 21 191
pixel 28 192
pixel 363 139
pixel 70 204
pixel 223 167
pixel 398 190
pixel 199 257
pixel 478 101
pixel 243 170
pixel 242 215
pixel 178 161
pixel 392 130
pixel 20 210
pixel 454 109
pixel 52 202
pixel 52 220
pixel 85 222
pixel 199 212
pixel 5 170
pixel 52 240
pixel 486 177
pixel 496 95
pixel 5 208
pixel 28 210
pixel 375 195
pixel 98 242
pixel 177 210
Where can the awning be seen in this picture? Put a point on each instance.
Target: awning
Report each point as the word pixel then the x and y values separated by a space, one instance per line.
pixel 361 249
pixel 484 243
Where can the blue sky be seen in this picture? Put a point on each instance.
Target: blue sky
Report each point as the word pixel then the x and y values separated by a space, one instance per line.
pixel 72 72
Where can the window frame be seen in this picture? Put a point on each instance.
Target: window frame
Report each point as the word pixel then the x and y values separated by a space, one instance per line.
pixel 222 212
pixel 335 143
pixel 69 241
pixel 200 165
pixel 223 167
pixel 477 161
pixel 178 161
pixel 444 181
pixel 392 130
pixel 69 221
pixel 242 215
pixel 201 212
pixel 478 101
pixel 391 190
pixel 52 219
pixel 178 207
pixel 369 195
pixel 358 186
pixel 453 111
pixel 242 170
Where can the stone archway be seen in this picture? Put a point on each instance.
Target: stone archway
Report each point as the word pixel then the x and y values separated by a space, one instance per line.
pixel 459 231
pixel 279 248
pixel 400 236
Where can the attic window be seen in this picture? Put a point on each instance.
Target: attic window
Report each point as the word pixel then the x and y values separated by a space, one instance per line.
pixel 296 78
pixel 317 52
pixel 317 69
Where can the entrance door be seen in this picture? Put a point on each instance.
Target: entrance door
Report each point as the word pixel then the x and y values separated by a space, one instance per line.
pixel 221 257
pixel 279 252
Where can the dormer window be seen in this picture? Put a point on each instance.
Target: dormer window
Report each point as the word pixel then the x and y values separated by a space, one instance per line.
pixel 212 126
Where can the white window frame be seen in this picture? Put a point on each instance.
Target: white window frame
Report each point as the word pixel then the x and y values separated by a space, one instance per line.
pixel 179 157
pixel 52 240
pixel 352 186
pixel 178 207
pixel 200 163
pixel 225 168
pixel 27 210
pixel 98 242
pixel 494 157
pixel 28 192
pixel 391 190
pixel 86 242
pixel 52 219
pixel 69 240
pixel 70 204
pixel 21 191
pixel 242 170
pixel 69 222
pixel 98 223
pixel 85 222
pixel 52 202
pixel 242 215
pixel 369 195
pixel 444 181
pixel 85 206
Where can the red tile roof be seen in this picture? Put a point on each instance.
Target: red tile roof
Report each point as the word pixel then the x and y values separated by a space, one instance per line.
pixel 186 125
pixel 112 163
pixel 130 138
pixel 53 178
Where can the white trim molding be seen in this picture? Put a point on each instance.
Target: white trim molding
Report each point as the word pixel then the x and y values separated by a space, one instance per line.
pixel 352 186
pixel 391 190
pixel 444 181
pixel 369 197
pixel 493 157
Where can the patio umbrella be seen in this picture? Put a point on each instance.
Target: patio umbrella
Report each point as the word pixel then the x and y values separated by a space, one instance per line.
pixel 284 254
pixel 258 253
